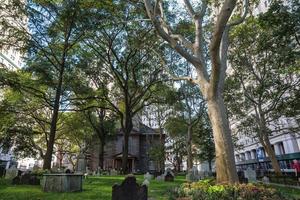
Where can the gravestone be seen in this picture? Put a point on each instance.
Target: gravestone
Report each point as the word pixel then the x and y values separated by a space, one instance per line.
pixel 29 179
pixel 129 190
pixel 266 180
pixel 11 172
pixel 81 163
pixel 148 176
pixel 146 182
pixel 35 168
pixel 160 178
pixel 169 177
pixel 168 170
pixel 113 172
pixel 54 169
pixel 193 175
pixel 250 175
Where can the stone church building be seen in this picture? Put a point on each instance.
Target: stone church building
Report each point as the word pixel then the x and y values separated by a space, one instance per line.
pixel 141 140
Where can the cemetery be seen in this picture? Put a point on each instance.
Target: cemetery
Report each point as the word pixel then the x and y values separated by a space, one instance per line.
pixel 149 100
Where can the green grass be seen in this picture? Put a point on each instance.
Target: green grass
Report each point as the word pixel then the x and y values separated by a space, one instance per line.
pixel 292 192
pixel 100 188
pixel 93 188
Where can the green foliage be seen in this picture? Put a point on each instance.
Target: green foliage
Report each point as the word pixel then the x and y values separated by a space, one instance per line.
pixel 203 140
pixel 264 56
pixel 157 153
pixel 207 190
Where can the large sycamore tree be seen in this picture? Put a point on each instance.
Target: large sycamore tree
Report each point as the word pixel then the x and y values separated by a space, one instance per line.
pixel 206 49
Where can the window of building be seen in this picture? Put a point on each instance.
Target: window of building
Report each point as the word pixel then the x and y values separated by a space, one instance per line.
pixel 12 57
pixel 281 148
pixel 242 157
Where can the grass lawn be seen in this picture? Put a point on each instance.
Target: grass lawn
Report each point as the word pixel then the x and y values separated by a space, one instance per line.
pixel 100 188
pixel 295 193
pixel 93 188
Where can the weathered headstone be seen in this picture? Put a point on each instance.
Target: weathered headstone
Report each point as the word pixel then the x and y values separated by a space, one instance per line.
pixel 129 190
pixel 148 176
pixel 29 179
pixel 81 163
pixel 11 172
pixel 193 175
pixel 266 180
pixel 160 178
pixel 113 172
pixel 169 177
pixel 55 169
pixel 250 175
pixel 146 182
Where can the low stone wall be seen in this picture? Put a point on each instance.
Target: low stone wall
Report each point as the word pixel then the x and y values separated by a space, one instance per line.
pixel 62 182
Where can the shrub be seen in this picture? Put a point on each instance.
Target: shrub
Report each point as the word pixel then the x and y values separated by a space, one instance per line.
pixel 208 190
pixel 40 172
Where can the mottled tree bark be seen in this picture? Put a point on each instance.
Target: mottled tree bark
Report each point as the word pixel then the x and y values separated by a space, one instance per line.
pixel 225 164
pixel 211 85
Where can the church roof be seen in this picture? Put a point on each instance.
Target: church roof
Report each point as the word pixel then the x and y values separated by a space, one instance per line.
pixel 143 129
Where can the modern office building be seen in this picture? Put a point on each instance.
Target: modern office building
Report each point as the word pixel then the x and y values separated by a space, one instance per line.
pixel 286 145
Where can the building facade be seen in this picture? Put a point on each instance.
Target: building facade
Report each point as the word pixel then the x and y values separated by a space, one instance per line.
pixel 141 140
pixel 286 145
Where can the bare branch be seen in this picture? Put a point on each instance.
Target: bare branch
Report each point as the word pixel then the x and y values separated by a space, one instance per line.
pixel 189 7
pixel 240 20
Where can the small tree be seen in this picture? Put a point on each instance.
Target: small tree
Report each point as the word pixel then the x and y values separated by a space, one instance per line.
pixel 204 141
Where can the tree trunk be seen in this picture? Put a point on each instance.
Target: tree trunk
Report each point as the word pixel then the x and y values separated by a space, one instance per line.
pixel 268 147
pixel 125 154
pixel 50 144
pixel 225 164
pixel 101 153
pixel 189 148
pixel 126 131
pixel 264 140
pixel 102 136
pixel 178 165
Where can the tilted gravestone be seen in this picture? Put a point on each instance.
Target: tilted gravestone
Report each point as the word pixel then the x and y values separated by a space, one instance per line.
pixel 81 163
pixel 11 173
pixel 129 190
